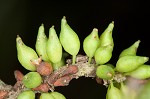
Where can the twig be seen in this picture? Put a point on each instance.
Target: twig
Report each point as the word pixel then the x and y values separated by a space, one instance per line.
pixel 60 77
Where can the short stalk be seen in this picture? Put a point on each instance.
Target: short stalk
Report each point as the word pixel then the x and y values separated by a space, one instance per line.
pixel 73 59
pixel 89 60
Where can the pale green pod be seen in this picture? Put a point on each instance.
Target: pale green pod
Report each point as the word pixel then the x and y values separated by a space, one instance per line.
pixel 127 92
pixel 144 93
pixel 61 63
pixel 142 72
pixel 90 44
pixel 32 80
pixel 113 92
pixel 25 55
pixel 57 95
pixel 69 39
pixel 53 47
pixel 28 94
pixel 103 54
pixel 46 96
pixel 130 63
pixel 130 50
pixel 40 45
pixel 124 90
pixel 106 37
pixel 105 72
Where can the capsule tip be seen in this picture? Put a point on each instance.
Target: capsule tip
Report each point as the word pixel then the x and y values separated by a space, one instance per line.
pixel 19 40
pixel 64 17
pixel 95 29
pixel 52 26
pixel 112 22
pixel 42 24
pixel 64 20
pixel 146 58
pixel 139 41
pixel 18 36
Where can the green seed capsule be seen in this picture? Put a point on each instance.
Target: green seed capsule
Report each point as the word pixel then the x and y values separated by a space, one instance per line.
pixel 32 80
pixel 142 72
pixel 28 94
pixel 124 90
pixel 128 93
pixel 105 72
pixel 144 93
pixel 54 48
pixel 69 39
pixel 103 54
pixel 57 95
pixel 59 64
pixel 25 55
pixel 46 96
pixel 90 44
pixel 106 37
pixel 62 62
pixel 131 50
pixel 130 63
pixel 41 44
pixel 113 92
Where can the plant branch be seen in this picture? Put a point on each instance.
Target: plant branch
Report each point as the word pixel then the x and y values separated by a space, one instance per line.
pixel 60 77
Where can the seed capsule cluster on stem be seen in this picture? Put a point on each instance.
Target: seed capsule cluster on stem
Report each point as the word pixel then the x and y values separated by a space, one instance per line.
pixel 50 54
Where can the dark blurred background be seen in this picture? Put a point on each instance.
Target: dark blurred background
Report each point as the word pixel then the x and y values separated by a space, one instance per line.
pixel 23 17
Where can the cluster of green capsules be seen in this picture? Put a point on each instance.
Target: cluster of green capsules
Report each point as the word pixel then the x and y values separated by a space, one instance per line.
pixel 128 64
pixel 50 51
pixel 100 48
